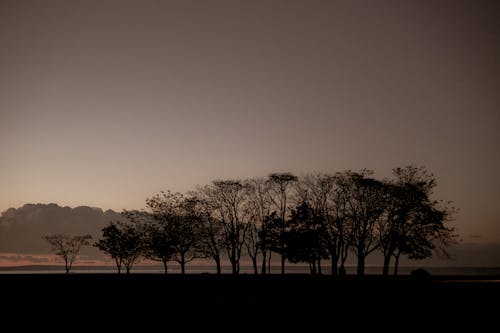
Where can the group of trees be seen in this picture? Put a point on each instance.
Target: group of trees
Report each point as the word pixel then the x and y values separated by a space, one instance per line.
pixel 309 220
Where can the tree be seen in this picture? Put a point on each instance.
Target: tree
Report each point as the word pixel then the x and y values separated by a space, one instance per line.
pixel 280 185
pixel 227 198
pixel 260 203
pixel 185 233
pixel 124 242
pixel 414 224
pixel 305 237
pixel 427 234
pixel 179 226
pixel 252 245
pixel 210 237
pixel 67 247
pixel 327 196
pixel 365 207
pixel 158 244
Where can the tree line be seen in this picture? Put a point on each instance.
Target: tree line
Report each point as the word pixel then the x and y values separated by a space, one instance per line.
pixel 312 219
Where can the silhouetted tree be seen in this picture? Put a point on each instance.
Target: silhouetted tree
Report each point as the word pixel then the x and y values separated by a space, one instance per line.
pixel 327 195
pixel 67 247
pixel 124 242
pixel 427 234
pixel 179 225
pixel 305 237
pixel 260 209
pixel 158 244
pixel 414 225
pixel 211 235
pixel 228 201
pixel 365 205
pixel 186 231
pixel 280 188
pixel 252 245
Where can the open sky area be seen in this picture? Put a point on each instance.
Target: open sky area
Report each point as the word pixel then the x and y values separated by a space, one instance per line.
pixel 105 103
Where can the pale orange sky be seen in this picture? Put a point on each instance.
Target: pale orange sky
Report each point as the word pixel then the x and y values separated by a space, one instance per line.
pixel 105 103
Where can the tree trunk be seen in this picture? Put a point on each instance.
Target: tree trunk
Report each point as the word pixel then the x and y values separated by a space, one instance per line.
pixel 269 262
pixel 118 266
pixel 233 259
pixel 387 262
pixel 342 271
pixel 396 263
pixel 128 267
pixel 283 262
pixel 255 268
pixel 165 266
pixel 217 264
pixel 361 263
pixel 233 267
pixel 183 265
pixel 319 266
pixel 334 265
pixel 264 261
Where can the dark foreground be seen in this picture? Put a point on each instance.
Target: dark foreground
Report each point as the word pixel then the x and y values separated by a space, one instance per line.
pixel 143 297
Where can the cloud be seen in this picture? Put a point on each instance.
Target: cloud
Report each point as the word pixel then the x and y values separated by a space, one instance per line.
pixel 21 229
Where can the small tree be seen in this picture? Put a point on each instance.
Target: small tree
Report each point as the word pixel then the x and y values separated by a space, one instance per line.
pixel 67 247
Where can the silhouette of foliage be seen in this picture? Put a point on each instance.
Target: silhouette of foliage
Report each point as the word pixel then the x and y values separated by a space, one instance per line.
pixel 210 232
pixel 228 201
pixel 260 204
pixel 333 215
pixel 67 247
pixel 414 225
pixel 327 196
pixel 124 242
pixel 177 231
pixel 158 244
pixel 279 189
pixel 365 208
pixel 305 237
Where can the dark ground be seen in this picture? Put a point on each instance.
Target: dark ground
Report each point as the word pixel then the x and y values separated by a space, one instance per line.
pixel 113 299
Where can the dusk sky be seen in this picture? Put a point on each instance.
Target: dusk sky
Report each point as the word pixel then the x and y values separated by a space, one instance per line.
pixel 105 103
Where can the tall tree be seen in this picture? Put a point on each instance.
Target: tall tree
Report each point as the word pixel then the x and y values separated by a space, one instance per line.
pixel 211 235
pixel 67 247
pixel 252 245
pixel 260 209
pixel 228 201
pixel 365 207
pixel 280 190
pixel 327 196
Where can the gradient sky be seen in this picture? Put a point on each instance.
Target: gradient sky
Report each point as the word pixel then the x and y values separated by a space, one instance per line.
pixel 105 103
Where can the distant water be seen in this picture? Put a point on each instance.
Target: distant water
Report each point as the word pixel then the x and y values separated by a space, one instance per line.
pixel 198 269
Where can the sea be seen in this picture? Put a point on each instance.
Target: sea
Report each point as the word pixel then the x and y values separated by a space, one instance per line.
pixel 210 269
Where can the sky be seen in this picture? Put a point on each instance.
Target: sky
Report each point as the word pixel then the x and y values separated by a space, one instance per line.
pixel 105 103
